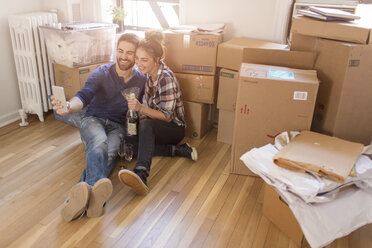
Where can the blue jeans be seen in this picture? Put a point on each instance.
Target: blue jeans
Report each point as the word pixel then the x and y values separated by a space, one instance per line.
pixel 155 138
pixel 101 138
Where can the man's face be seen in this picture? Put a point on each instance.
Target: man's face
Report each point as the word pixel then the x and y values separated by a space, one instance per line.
pixel 125 54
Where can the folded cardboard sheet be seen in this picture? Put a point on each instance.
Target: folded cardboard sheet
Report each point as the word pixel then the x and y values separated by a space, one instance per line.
pixel 324 155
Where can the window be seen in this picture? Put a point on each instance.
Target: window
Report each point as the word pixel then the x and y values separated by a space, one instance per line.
pixel 144 14
pixel 105 7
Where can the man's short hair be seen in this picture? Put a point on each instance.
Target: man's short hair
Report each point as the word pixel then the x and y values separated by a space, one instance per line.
pixel 132 38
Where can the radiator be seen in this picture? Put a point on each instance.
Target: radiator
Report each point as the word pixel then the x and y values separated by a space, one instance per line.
pixel 34 69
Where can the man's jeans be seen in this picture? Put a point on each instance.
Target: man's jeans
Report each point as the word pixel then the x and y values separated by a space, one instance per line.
pixel 101 138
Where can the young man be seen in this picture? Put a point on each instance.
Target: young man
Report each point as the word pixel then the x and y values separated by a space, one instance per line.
pixel 102 128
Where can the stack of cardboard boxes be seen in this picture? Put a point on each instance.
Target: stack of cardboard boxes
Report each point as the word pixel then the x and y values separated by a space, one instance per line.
pixel 192 57
pixel 76 50
pixel 229 58
pixel 267 96
pixel 344 59
pixel 343 64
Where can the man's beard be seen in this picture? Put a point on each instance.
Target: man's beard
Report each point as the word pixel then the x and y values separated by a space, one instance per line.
pixel 124 68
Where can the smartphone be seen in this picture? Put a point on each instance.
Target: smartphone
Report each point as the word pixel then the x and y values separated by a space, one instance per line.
pixel 59 94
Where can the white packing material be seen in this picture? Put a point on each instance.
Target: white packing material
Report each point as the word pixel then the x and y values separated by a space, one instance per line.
pixel 336 214
pixel 322 223
pixel 260 161
pixel 309 187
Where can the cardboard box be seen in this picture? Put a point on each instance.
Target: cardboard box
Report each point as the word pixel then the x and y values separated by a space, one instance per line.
pixel 197 88
pixel 72 79
pixel 228 79
pixel 358 31
pixel 270 100
pixel 231 53
pixel 227 89
pixel 198 119
pixel 192 53
pixel 281 215
pixel 292 59
pixel 319 154
pixel 225 126
pixel 343 106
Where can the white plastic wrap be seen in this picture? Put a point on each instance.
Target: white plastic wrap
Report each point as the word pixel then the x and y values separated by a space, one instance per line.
pixel 80 44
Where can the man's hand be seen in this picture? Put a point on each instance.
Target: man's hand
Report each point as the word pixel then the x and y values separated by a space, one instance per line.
pixel 57 106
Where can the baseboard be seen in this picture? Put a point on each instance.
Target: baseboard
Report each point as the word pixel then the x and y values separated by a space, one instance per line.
pixel 9 118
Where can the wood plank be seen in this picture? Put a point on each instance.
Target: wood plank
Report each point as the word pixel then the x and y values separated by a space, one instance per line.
pixel 229 215
pixel 205 200
pixel 188 201
pixel 190 204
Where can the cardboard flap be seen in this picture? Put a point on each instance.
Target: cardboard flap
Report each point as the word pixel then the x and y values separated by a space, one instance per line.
pixel 324 155
pixel 230 53
pixel 292 59
pixel 357 32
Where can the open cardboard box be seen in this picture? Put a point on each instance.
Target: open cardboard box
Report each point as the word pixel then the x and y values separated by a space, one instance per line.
pixel 278 212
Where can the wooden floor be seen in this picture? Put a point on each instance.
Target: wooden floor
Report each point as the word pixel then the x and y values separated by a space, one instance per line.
pixel 190 204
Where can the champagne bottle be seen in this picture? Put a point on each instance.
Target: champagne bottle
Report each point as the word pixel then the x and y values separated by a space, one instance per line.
pixel 132 119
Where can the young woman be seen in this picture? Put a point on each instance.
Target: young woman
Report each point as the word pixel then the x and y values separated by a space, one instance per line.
pixel 162 118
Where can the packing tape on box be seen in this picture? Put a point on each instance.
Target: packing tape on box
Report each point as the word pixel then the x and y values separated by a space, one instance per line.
pixel 186 41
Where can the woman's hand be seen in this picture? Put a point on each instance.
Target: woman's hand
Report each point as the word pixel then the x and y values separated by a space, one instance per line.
pixel 146 112
pixel 134 104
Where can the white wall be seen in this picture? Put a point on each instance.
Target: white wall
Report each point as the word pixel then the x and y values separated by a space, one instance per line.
pixel 259 19
pixel 9 94
pixel 59 5
pixel 90 9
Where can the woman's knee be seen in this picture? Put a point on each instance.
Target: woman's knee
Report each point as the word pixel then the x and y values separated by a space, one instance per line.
pixel 146 125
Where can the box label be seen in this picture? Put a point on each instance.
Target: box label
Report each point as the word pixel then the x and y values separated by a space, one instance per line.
pixel 197 68
pixel 300 95
pixel 227 75
pixel 205 43
pixel 277 74
pixel 253 73
pixel 244 110
pixel 354 62
pixel 83 71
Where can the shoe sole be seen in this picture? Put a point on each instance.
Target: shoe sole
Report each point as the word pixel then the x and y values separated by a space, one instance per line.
pixel 78 200
pixel 194 153
pixel 101 192
pixel 131 179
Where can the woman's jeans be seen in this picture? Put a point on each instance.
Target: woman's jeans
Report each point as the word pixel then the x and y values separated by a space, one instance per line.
pixel 155 138
pixel 101 138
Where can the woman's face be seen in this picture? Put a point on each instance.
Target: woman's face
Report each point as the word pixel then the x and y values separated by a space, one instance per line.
pixel 145 62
